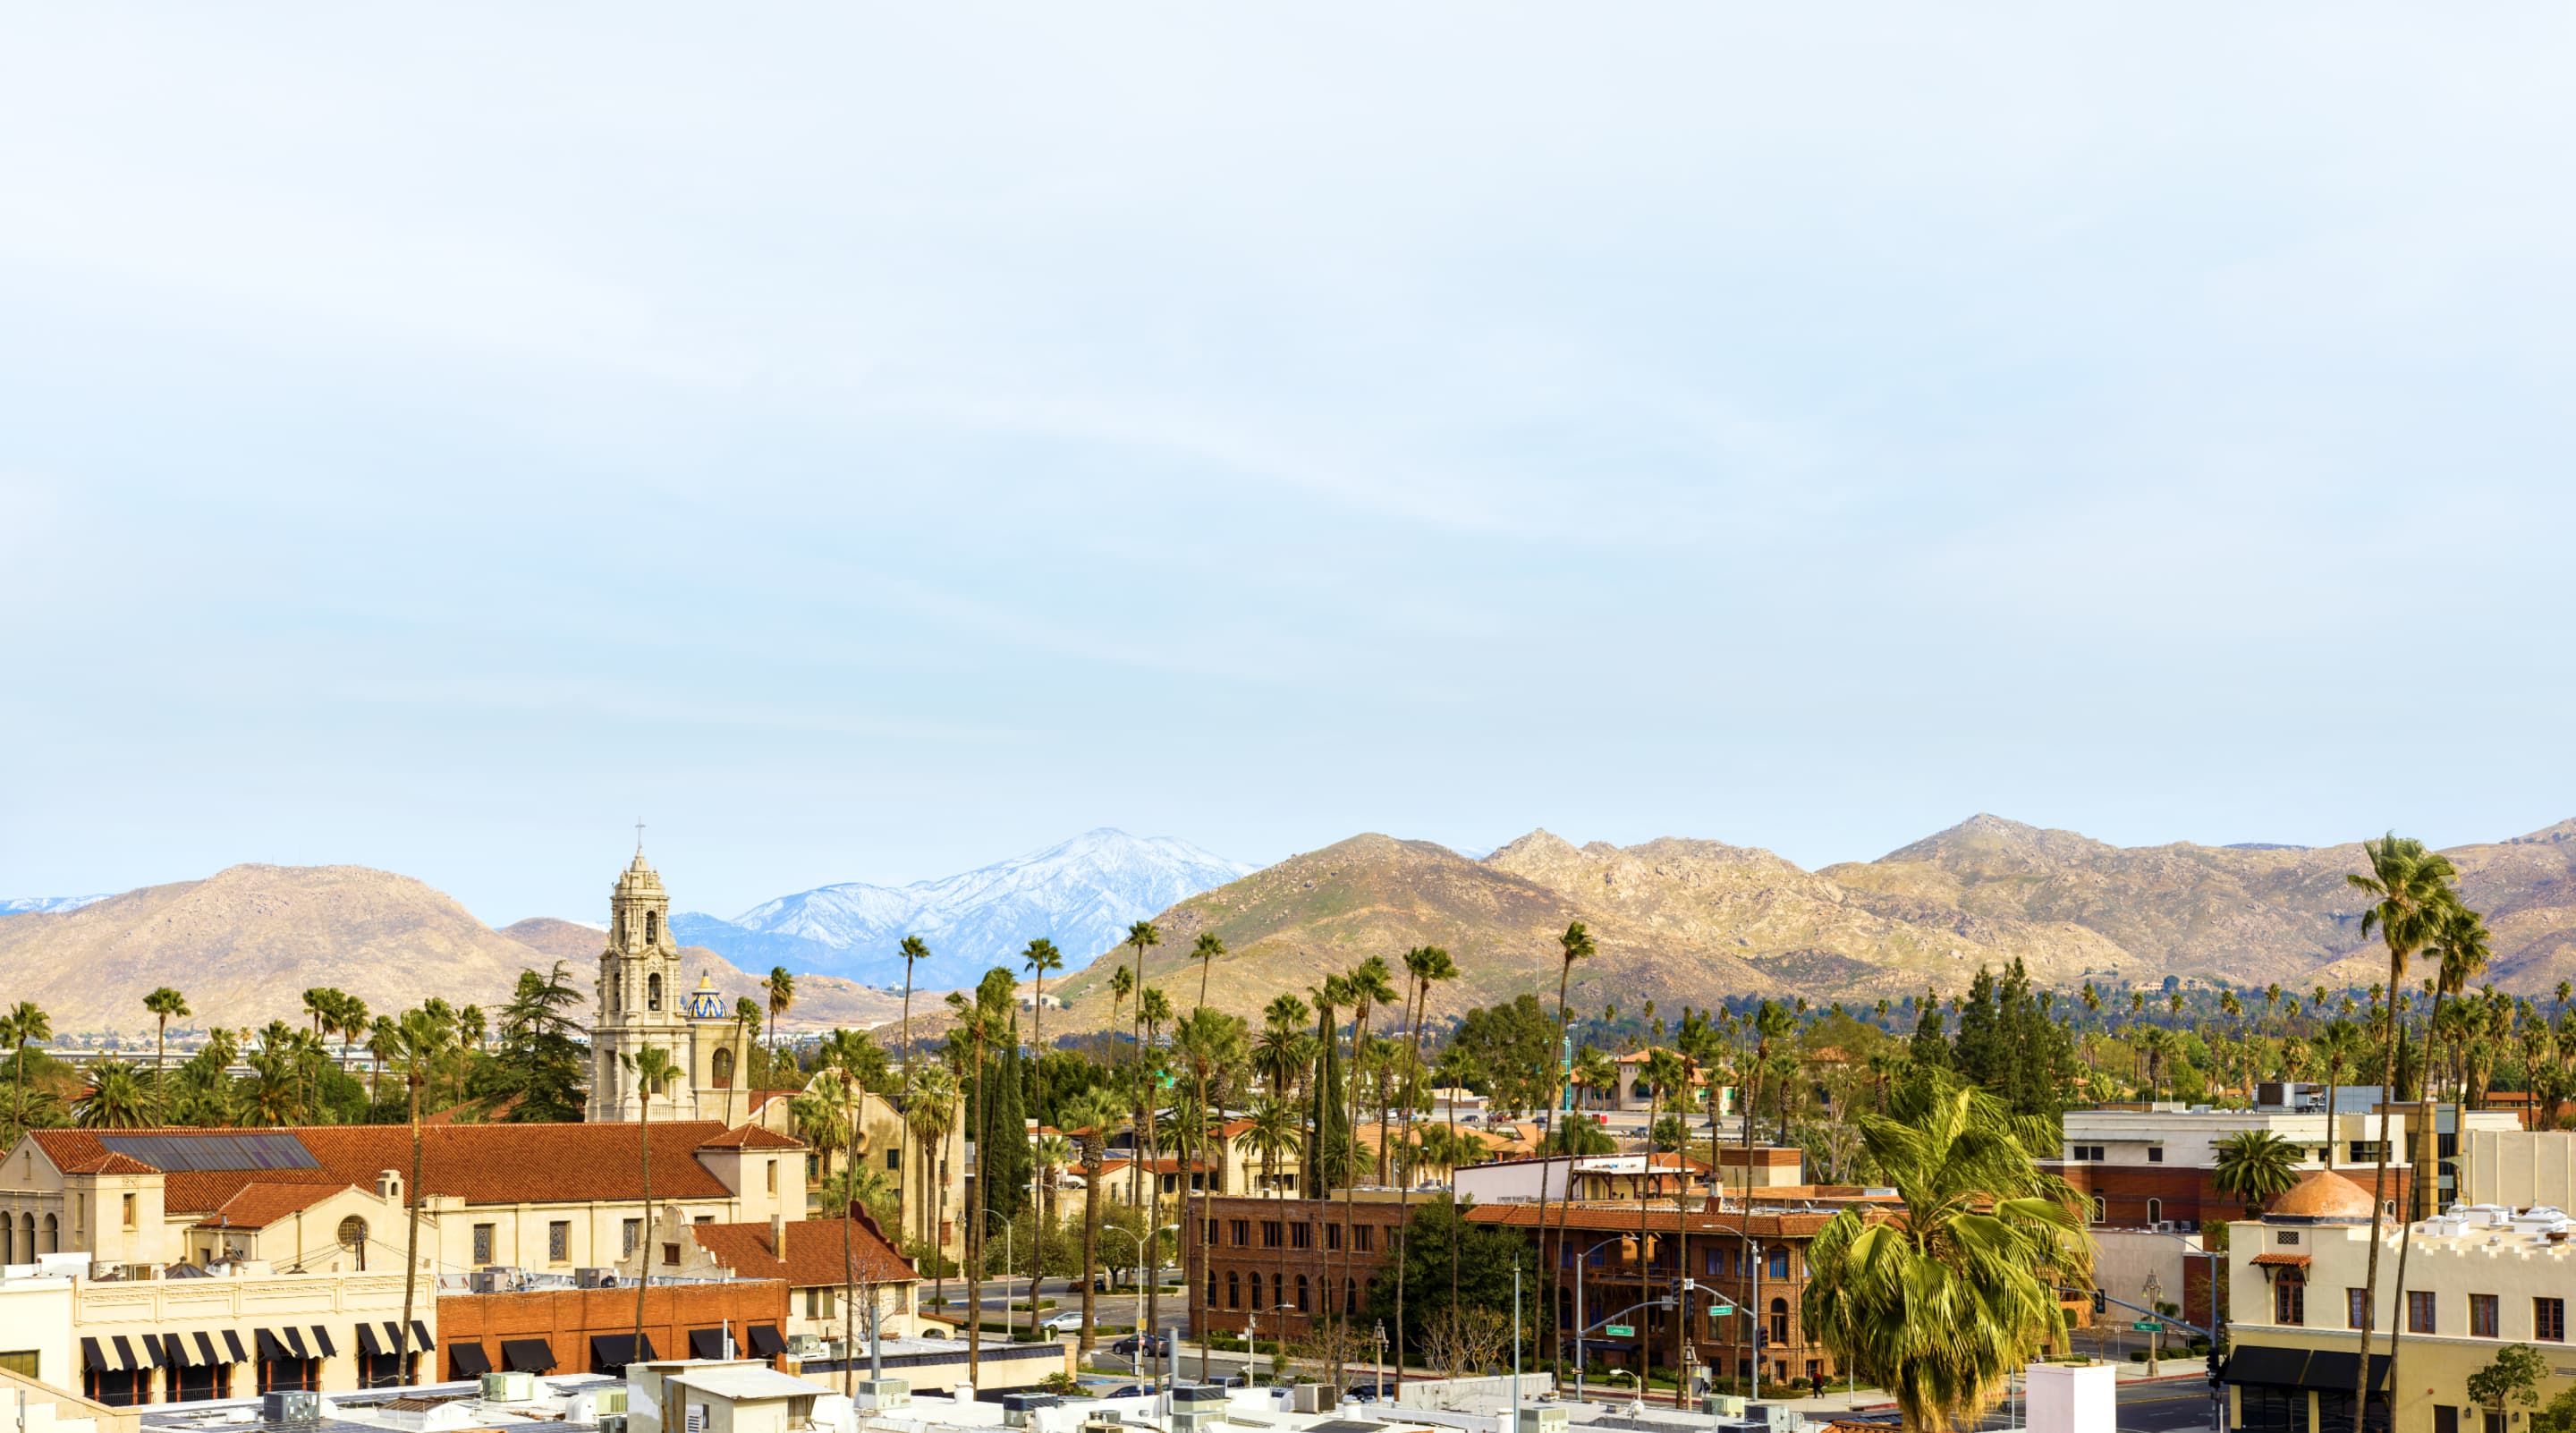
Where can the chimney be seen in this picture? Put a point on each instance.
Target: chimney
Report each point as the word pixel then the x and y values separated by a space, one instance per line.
pixel 778 1233
pixel 389 1184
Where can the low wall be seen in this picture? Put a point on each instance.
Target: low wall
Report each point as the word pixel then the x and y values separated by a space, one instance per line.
pixel 1471 1393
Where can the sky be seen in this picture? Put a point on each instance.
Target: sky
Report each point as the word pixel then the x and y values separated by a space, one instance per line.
pixel 865 442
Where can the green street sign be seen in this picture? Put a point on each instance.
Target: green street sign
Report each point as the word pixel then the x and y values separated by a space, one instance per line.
pixel 1620 1330
pixel 2148 1326
pixel 1719 1311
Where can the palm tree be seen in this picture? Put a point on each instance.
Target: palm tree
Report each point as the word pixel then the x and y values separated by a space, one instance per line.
pixel 1595 1070
pixel 653 1069
pixel 1092 1117
pixel 26 1024
pixel 1207 950
pixel 1425 966
pixel 914 950
pixel 1666 1074
pixel 2253 1165
pixel 2339 1048
pixel 117 1098
pixel 746 1028
pixel 1940 1306
pixel 352 1019
pixel 1040 957
pixel 2409 887
pixel 1051 1155
pixel 420 1039
pixel 1576 944
pixel 932 1114
pixel 164 1004
pixel 2460 942
pixel 780 988
pixel 1210 1043
pixel 823 1114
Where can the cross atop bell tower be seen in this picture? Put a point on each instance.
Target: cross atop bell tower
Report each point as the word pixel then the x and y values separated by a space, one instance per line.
pixel 640 1000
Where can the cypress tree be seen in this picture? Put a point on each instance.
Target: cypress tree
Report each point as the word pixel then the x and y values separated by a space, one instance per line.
pixel 1006 1165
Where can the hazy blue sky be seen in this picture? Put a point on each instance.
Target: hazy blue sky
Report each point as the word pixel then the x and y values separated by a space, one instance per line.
pixel 867 444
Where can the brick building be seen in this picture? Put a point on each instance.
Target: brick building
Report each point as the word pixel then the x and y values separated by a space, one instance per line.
pixel 593 1330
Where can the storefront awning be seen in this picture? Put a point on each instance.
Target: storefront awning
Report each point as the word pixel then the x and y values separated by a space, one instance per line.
pixel 94 1358
pixel 528 1355
pixel 616 1350
pixel 323 1347
pixel 367 1343
pixel 124 1353
pixel 421 1342
pixel 175 1349
pixel 766 1342
pixel 153 1350
pixel 233 1346
pixel 469 1360
pixel 295 1340
pixel 2325 1370
pixel 206 1356
pixel 269 1347
pixel 706 1343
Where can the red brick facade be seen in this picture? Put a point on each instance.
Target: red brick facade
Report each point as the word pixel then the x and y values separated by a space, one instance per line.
pixel 569 1319
pixel 2135 1196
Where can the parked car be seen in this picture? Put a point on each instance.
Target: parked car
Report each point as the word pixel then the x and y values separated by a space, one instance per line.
pixel 1133 1344
pixel 1070 1321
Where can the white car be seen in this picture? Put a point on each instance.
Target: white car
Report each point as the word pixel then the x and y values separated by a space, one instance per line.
pixel 1069 1321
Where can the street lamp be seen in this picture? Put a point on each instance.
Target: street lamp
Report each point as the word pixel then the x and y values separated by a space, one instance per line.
pixel 1009 1259
pixel 1581 1261
pixel 1381 1361
pixel 2154 1295
pixel 1147 1335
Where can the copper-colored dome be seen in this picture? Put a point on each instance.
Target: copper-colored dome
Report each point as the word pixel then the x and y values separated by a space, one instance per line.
pixel 2324 1195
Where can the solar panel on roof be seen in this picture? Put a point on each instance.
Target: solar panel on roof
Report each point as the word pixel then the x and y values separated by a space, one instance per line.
pixel 213 1152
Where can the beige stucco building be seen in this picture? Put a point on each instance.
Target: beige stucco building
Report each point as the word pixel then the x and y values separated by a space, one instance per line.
pixel 2477 1281
pixel 885 1144
pixel 643 1004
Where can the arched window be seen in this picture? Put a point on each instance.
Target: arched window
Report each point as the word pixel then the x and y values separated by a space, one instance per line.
pixel 9 1241
pixel 1301 1294
pixel 1780 1322
pixel 653 992
pixel 652 927
pixel 2156 1215
pixel 31 1249
pixel 53 1236
pixel 353 1237
pixel 723 1068
pixel 1350 1296
pixel 2102 1211
pixel 1234 1290
pixel 1211 1300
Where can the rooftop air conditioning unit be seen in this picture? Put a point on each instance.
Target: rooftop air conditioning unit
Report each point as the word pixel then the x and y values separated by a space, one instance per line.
pixel 295 1407
pixel 509 1387
pixel 484 1281
pixel 881 1395
pixel 1724 1405
pixel 1314 1398
pixel 594 1278
pixel 804 1345
pixel 1544 1420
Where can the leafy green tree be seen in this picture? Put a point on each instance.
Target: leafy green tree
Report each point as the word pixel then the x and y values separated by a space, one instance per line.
pixel 1441 1243
pixel 2512 1376
pixel 1939 1306
pixel 1510 1046
pixel 24 1026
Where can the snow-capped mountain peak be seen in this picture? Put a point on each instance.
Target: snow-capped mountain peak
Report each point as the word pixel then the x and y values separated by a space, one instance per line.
pixel 44 905
pixel 1082 894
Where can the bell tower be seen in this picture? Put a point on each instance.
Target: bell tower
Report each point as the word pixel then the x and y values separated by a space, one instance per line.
pixel 640 1002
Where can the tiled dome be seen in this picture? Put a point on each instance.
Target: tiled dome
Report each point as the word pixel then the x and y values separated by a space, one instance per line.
pixel 2324 1197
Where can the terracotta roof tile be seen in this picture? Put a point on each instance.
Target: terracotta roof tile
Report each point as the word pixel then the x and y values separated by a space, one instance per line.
pixel 2280 1261
pixel 256 1206
pixel 751 1137
pixel 814 1251
pixel 482 1163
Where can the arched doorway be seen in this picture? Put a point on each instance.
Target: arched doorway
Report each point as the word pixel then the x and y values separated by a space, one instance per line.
pixel 722 1068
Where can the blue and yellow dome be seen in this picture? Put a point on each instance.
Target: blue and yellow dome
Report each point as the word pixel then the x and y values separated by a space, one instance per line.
pixel 706 1002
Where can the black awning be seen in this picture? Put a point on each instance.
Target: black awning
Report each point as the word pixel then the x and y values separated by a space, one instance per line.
pixel 2257 1364
pixel 394 1338
pixel 124 1353
pixel 2334 1371
pixel 94 1358
pixel 268 1346
pixel 295 1340
pixel 468 1359
pixel 421 1342
pixel 322 1345
pixel 766 1342
pixel 616 1350
pixel 206 1351
pixel 175 1346
pixel 367 1341
pixel 233 1346
pixel 153 1350
pixel 706 1343
pixel 528 1355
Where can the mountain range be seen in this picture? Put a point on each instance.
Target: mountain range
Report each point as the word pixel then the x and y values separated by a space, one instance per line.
pixel 245 943
pixel 39 905
pixel 1685 921
pixel 1082 894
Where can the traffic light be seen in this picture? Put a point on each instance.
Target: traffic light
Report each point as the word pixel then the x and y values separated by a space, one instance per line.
pixel 2216 1364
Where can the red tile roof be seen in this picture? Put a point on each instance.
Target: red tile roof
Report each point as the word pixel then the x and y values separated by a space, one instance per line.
pixel 482 1163
pixel 814 1252
pixel 256 1206
pixel 751 1137
pixel 2281 1261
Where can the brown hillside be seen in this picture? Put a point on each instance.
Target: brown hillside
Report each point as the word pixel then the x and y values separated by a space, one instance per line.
pixel 822 1001
pixel 245 943
pixel 1288 926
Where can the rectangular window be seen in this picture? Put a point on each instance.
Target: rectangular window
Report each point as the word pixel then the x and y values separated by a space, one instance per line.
pixel 2482 1316
pixel 634 1236
pixel 21 1361
pixel 2155 1154
pixel 2549 1320
pixel 1332 1236
pixel 1242 1233
pixel 482 1245
pixel 1363 1237
pixel 773 1170
pixel 2364 1151
pixel 559 1241
pixel 2356 1307
pixel 1779 1264
pixel 671 1254
pixel 1301 1235
pixel 813 1303
pixel 2419 1311
pixel 2086 1153
pixel 129 1211
pixel 1211 1232
pixel 1269 1233
pixel 894 1159
pixel 704 1219
pixel 2289 1239
pixel 2290 1302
